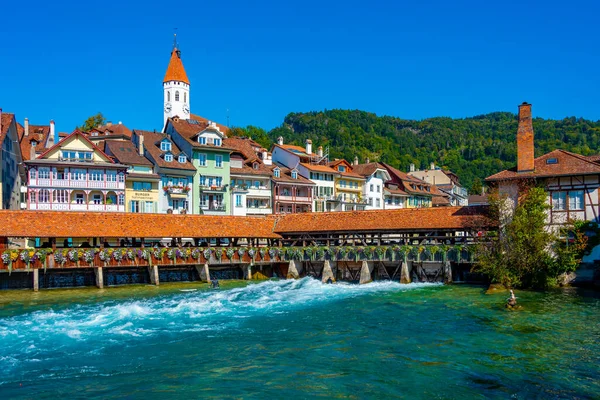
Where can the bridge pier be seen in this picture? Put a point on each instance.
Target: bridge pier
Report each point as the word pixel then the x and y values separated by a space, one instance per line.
pixel 36 280
pixel 447 272
pixel 366 272
pixel 404 274
pixel 327 272
pixel 99 277
pixel 153 271
pixel 293 270
pixel 204 272
pixel 247 269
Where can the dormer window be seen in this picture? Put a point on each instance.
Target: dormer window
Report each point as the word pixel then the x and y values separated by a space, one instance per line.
pixel 552 160
pixel 342 168
pixel 201 140
pixel 168 157
pixel 182 158
pixel 276 172
pixel 294 174
pixel 255 165
pixel 165 146
pixel 217 142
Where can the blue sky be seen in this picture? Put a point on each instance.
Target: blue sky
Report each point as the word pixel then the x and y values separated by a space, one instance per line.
pixel 262 60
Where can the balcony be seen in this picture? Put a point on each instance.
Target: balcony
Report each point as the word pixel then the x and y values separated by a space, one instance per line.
pixel 77 207
pixel 259 210
pixel 213 188
pixel 77 184
pixel 293 199
pixel 184 190
pixel 216 208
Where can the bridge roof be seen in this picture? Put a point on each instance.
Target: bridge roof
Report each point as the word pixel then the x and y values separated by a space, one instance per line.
pixel 408 219
pixel 49 224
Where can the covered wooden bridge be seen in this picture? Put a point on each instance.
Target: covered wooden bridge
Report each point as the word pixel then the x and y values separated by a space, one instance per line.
pixel 325 245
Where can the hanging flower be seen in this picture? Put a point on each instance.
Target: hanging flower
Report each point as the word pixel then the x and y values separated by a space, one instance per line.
pixel 273 252
pixel 330 252
pixel 171 254
pixel 320 253
pixel 104 255
pixel 206 253
pixel 308 252
pixel 60 258
pixel 118 256
pixel 25 257
pixel 230 252
pixel 263 252
pixel 158 253
pixel 380 251
pixel 251 252
pixel 130 255
pixel 342 252
pixel 196 253
pixel 241 251
pixel 88 256
pixel 281 252
pixel 6 258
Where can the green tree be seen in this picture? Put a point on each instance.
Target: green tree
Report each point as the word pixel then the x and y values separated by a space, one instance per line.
pixel 476 187
pixel 92 122
pixel 257 134
pixel 524 252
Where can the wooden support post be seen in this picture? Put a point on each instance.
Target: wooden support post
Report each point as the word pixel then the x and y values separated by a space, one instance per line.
pixel 204 272
pixel 99 277
pixel 153 271
pixel 447 272
pixel 247 271
pixel 365 272
pixel 327 273
pixel 36 280
pixel 404 274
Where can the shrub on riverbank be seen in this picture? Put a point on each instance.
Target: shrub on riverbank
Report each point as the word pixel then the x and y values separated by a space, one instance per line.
pixel 524 252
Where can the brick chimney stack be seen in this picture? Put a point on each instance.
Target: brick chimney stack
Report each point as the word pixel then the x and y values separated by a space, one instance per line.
pixel 525 154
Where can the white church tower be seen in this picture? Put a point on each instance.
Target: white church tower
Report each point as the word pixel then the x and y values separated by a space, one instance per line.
pixel 176 87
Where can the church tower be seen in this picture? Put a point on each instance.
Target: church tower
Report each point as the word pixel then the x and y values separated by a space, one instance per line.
pixel 176 88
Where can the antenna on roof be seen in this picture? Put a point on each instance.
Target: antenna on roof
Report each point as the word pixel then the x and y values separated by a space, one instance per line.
pixel 175 39
pixel 228 117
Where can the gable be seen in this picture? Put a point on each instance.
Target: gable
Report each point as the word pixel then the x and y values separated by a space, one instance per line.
pixel 75 142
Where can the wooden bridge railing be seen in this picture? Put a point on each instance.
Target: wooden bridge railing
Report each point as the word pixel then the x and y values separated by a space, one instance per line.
pixel 33 258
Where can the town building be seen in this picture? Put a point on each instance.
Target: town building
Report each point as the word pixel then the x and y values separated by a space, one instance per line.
pixel 109 131
pixel 292 193
pixel 141 183
pixel 12 172
pixel 411 192
pixel 446 181
pixel 251 186
pixel 174 168
pixel 376 176
pixel 301 160
pixel 176 88
pixel 349 187
pixel 571 180
pixel 75 175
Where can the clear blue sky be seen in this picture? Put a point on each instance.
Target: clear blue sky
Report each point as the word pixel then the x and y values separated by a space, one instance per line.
pixel 261 60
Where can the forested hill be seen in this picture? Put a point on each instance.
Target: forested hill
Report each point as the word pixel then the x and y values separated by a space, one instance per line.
pixel 471 147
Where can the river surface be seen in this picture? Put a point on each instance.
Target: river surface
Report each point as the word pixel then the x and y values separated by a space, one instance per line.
pixel 298 339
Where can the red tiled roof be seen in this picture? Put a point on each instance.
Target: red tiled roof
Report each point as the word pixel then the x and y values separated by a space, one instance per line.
pixel 408 181
pixel 320 168
pixel 76 132
pixel 114 225
pixel 175 70
pixel 567 164
pixel 285 176
pixel 5 122
pixel 203 120
pixel 350 173
pixel 438 201
pixel 188 130
pixel 367 169
pixel 385 220
pixel 152 145
pixel 39 133
pixel 125 152
pixel 241 145
pixel 112 130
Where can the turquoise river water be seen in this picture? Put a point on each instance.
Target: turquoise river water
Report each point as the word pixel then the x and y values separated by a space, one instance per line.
pixel 298 339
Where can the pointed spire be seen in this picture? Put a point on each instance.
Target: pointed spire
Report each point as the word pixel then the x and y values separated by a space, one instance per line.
pixel 175 70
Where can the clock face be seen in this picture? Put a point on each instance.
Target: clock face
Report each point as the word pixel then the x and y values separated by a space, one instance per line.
pixel 168 107
pixel 186 109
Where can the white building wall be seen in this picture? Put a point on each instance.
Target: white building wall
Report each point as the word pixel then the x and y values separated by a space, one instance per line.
pixel 176 107
pixel 372 195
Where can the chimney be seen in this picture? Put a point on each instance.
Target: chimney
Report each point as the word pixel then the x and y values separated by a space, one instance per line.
pixel 355 160
pixel 109 124
pixel 432 166
pixel 308 146
pixel 32 155
pixel 367 160
pixel 26 127
pixel 280 140
pixel 320 151
pixel 141 144
pixel 51 136
pixel 525 154
pixel 412 167
pixel 266 159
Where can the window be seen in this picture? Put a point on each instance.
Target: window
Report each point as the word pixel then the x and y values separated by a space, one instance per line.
pixel 202 160
pixel 559 200
pixel 96 175
pixel 255 165
pixel 182 158
pixel 79 198
pixel 84 156
pixel 256 184
pixel 121 177
pixel 378 189
pixel 111 176
pixel 68 155
pixel 219 161
pixel 149 207
pixel 168 96
pixel 32 174
pixel 146 186
pixel 219 181
pixel 177 95
pixel 175 204
pixel 552 161
pixel 576 201
pixel 370 201
pixel 377 202
pixel 44 196
pixel 201 140
pixel 97 199
pixel 238 200
pixel 217 142
pixel 168 157
pixel 165 145
pixel 342 168
pixel 185 97
pixel 121 199
pixel 371 187
pixel 343 183
pixel 32 196
pixel 277 172
pixel 78 174
pixel 294 174
pixel 134 205
pixel 60 196
pixel 44 173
